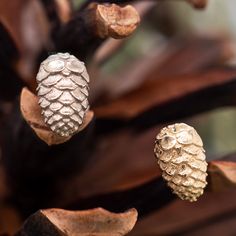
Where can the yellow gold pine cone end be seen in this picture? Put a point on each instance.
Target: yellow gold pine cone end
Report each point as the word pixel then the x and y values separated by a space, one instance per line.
pixel 181 157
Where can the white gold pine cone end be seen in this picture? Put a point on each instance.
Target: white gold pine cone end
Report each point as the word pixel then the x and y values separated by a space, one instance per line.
pixel 63 93
pixel 181 157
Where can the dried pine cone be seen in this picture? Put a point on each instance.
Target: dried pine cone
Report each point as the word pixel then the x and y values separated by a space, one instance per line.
pixel 180 154
pixel 63 93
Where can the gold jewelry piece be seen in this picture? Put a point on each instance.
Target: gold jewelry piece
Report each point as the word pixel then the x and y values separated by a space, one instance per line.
pixel 181 157
pixel 63 93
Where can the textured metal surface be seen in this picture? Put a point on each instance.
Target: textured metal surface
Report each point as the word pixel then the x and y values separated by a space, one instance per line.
pixel 63 93
pixel 181 157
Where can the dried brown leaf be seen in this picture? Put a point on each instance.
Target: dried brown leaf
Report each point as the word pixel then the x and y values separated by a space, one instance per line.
pixel 96 222
pixel 222 175
pixel 157 92
pixel 167 61
pixel 107 173
pixel 210 215
pixel 31 111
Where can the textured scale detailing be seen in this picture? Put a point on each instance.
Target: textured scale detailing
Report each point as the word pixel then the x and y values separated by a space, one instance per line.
pixel 181 157
pixel 63 93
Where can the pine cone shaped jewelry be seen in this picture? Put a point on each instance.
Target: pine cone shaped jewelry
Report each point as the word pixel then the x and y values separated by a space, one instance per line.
pixel 63 93
pixel 181 157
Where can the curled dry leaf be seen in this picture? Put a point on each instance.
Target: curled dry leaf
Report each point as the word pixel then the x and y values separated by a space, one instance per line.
pixel 31 112
pixel 115 21
pixel 58 222
pixel 222 175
